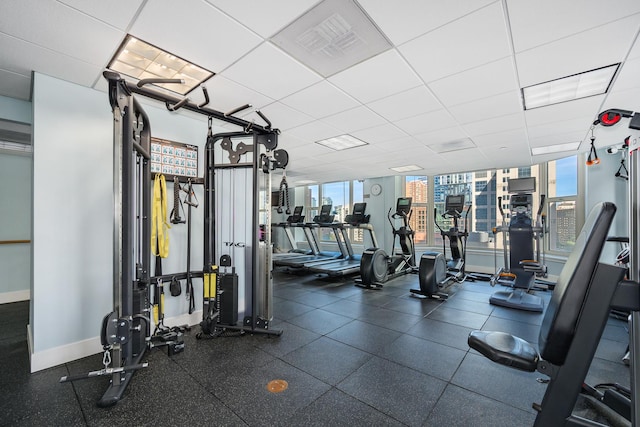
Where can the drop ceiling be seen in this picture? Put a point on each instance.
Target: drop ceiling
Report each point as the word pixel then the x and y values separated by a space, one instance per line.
pixel 445 96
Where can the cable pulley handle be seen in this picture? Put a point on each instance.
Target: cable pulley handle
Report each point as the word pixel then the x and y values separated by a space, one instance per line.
pixel 500 207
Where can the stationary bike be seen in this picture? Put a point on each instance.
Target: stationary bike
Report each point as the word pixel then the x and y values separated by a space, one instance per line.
pixel 436 274
pixel 376 267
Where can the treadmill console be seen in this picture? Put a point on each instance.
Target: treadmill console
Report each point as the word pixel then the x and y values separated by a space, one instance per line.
pixel 325 216
pixel 358 217
pixel 403 206
pixel 297 217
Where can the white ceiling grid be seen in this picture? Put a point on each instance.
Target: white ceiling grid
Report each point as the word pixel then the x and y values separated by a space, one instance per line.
pixel 449 84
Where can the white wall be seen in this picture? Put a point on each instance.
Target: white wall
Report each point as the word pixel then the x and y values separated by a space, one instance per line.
pixel 73 217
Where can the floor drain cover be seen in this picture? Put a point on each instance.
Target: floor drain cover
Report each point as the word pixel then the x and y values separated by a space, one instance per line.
pixel 277 386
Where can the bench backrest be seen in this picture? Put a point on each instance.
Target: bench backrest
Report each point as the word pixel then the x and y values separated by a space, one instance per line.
pixel 571 290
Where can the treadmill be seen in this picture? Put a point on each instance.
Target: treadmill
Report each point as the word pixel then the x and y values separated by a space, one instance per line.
pixel 350 264
pixel 324 220
pixel 296 221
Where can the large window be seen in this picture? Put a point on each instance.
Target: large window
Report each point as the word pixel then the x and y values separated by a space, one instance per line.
pixel 416 187
pixel 562 188
pixel 487 194
pixel 341 196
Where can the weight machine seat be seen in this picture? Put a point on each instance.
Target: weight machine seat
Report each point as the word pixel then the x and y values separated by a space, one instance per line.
pixel 572 325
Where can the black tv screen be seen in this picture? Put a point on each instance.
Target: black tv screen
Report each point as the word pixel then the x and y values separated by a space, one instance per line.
pixel 522 185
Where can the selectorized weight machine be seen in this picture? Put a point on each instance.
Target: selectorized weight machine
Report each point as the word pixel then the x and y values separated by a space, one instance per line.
pixel 239 297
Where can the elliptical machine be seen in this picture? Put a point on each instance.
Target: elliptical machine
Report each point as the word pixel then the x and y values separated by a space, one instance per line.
pixel 436 273
pixel 521 266
pixel 376 267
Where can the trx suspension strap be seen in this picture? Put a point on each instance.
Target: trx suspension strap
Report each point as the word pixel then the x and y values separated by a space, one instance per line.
pixel 159 235
pixel 191 201
pixel 159 243
pixel 177 203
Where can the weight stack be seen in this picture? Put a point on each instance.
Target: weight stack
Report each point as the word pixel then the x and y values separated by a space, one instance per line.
pixel 228 299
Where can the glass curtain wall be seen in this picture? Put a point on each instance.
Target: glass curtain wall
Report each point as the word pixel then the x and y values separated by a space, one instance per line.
pixel 482 190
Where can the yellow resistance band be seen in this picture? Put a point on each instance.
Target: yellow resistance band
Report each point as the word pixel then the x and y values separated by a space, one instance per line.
pixel 159 224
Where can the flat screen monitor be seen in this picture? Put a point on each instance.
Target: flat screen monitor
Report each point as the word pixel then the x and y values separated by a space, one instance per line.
pixel 454 203
pixel 521 185
pixel 325 210
pixel 404 205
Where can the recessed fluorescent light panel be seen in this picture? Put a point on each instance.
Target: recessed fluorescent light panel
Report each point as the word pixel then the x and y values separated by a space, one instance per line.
pixel 140 60
pixel 407 168
pixel 558 148
pixel 341 142
pixel 582 85
pixel 331 37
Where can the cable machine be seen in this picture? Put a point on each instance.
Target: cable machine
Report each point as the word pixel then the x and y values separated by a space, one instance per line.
pixel 126 331
pixel 238 293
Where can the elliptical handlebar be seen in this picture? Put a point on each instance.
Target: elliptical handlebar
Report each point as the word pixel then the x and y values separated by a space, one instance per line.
pixel 435 220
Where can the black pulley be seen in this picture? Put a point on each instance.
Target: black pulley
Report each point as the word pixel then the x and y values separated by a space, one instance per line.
pixel 281 159
pixel 269 140
pixel 225 261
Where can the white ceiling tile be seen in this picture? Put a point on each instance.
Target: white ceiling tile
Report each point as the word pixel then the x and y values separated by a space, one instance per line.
pixel 314 131
pixel 585 107
pixel 534 23
pixel 427 122
pixel 473 40
pixel 490 79
pixel 320 100
pixel 22 57
pixel 578 128
pixel 14 85
pixel 406 104
pixel 194 28
pixel 416 17
pixel 628 75
pixel 487 108
pixel 442 136
pixel 506 156
pixel 574 54
pixel 458 146
pixel 378 77
pixel 61 29
pixel 226 95
pixel 472 155
pixel 557 138
pixel 634 52
pixel 511 138
pixel 118 13
pixel 355 119
pixel 281 116
pixel 272 72
pixel 265 17
pixel 628 99
pixel 495 125
pixel 380 134
pixel 405 144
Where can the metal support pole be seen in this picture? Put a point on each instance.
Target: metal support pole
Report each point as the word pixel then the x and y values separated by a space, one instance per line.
pixel 634 275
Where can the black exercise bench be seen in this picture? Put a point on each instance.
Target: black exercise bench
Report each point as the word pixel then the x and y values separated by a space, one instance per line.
pixel 572 325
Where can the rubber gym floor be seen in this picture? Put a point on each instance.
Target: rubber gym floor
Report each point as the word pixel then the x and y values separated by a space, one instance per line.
pixel 349 357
